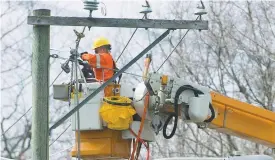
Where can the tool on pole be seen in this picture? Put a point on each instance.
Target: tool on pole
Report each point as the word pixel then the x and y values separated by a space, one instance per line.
pixel 74 76
pixel 147 63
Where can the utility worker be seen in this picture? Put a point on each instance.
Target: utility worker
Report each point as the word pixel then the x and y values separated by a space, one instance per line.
pixel 102 61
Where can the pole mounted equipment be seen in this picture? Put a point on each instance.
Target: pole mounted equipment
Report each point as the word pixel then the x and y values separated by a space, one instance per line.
pixel 146 9
pixel 65 66
pixel 91 5
pixel 200 10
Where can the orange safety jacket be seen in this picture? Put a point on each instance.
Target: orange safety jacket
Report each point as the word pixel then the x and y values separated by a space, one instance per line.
pixel 102 64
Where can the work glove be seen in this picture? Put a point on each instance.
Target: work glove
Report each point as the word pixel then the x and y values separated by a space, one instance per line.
pixel 80 62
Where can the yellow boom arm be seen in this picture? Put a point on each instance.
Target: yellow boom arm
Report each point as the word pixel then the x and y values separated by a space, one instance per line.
pixel 243 120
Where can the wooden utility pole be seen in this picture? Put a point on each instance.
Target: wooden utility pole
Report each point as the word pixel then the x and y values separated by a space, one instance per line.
pixel 40 88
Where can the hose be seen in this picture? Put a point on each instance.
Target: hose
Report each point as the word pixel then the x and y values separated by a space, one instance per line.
pixel 176 114
pixel 212 114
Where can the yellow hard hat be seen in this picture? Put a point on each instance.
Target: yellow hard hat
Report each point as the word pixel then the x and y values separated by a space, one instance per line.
pixel 100 42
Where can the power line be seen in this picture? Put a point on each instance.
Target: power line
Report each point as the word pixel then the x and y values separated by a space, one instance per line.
pixel 28 108
pixel 53 49
pixel 175 47
pixel 56 56
pixel 60 135
pixel 56 78
pixel 16 121
pixel 51 154
pixel 49 86
pixel 61 151
pixel 57 139
pixel 128 42
pixel 172 50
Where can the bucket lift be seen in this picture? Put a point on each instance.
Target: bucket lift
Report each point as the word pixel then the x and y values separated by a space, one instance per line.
pixel 155 102
pixel 96 140
pixel 195 104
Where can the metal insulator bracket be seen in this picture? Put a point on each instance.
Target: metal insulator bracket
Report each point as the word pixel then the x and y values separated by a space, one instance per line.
pixel 200 10
pixel 146 9
pixel 79 35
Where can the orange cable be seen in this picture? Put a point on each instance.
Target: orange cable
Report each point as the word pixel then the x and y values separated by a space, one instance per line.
pixel 142 123
pixel 142 141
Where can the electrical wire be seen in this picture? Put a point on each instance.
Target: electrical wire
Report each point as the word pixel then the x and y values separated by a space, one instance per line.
pixel 16 121
pixel 56 78
pixel 23 115
pixel 60 151
pixel 53 153
pixel 176 114
pixel 57 56
pixel 128 42
pixel 29 110
pixel 143 142
pixel 60 135
pixel 76 77
pixel 175 47
pixel 57 139
pixel 53 49
pixel 49 86
pixel 52 84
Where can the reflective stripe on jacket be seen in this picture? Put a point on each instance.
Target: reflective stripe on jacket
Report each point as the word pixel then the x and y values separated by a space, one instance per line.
pixel 101 63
